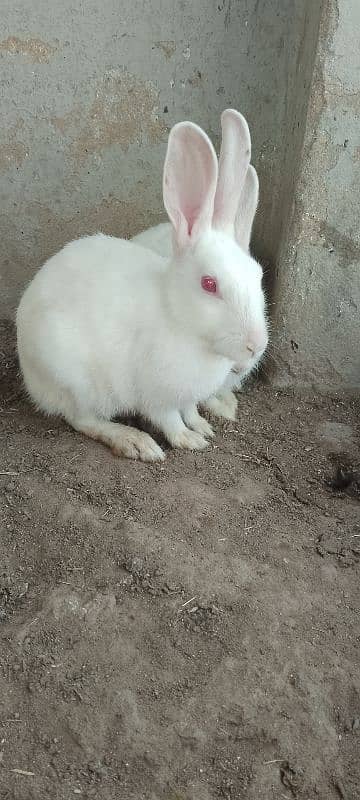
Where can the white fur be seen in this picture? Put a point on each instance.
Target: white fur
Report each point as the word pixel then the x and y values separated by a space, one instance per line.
pixel 107 327
pixel 234 159
pixel 158 239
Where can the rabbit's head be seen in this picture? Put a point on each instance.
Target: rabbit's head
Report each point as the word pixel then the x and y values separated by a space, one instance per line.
pixel 214 286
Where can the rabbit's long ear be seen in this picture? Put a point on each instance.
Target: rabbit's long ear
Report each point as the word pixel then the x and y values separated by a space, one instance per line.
pixel 234 160
pixel 189 182
pixel 247 208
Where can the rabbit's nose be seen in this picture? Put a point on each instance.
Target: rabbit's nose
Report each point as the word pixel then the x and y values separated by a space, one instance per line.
pixel 258 340
pixel 257 346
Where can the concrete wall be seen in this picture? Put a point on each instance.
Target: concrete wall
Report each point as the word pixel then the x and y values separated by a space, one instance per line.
pixel 317 311
pixel 89 90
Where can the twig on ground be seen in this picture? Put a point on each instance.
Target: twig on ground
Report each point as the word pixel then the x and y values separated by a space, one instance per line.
pixel 22 772
pixel 188 601
pixel 13 474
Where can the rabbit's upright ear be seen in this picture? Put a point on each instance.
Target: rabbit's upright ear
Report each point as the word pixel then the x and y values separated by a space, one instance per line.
pixel 234 160
pixel 247 208
pixel 189 182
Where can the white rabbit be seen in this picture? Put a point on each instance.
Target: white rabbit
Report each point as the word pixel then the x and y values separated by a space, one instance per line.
pixel 158 239
pixel 234 165
pixel 107 327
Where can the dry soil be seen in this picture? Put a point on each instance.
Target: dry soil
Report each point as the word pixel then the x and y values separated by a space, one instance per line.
pixel 183 631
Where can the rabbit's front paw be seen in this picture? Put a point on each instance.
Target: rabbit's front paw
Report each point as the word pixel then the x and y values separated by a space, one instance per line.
pixel 138 445
pixel 123 440
pixel 172 425
pixel 197 423
pixel 224 404
pixel 188 440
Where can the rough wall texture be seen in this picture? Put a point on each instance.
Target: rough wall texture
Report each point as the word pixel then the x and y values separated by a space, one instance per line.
pixel 317 320
pixel 89 90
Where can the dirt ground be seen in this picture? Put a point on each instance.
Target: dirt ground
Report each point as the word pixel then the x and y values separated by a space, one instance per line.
pixel 183 631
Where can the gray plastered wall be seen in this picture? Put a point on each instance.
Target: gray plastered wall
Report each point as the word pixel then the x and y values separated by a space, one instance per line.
pixel 89 92
pixel 317 284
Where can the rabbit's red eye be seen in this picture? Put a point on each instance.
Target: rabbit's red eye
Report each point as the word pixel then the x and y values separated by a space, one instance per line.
pixel 209 284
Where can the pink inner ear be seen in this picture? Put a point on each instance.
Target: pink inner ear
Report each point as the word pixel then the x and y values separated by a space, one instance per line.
pixel 190 215
pixel 190 175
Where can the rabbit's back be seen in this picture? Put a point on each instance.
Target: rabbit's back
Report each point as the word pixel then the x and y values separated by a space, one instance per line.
pixel 75 322
pixel 158 239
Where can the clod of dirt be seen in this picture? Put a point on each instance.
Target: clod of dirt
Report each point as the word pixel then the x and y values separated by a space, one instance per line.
pixel 201 618
pixel 11 593
pixel 302 497
pixel 136 567
pixel 345 479
pixel 340 789
pixel 97 769
pixel 290 778
pixel 341 544
pixel 140 577
pixel 170 588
